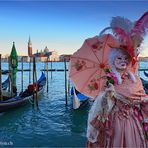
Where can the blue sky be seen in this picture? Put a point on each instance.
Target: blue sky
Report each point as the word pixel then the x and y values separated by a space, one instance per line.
pixel 59 25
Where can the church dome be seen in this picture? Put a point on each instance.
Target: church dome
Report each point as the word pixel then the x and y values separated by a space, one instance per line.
pixel 46 50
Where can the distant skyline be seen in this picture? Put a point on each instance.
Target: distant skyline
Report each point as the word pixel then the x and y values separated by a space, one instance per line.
pixel 60 25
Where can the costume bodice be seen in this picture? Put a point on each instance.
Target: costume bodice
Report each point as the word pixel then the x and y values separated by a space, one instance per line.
pixel 129 89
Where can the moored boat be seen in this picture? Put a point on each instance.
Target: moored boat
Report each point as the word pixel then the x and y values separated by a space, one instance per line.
pixel 24 97
pixel 5 84
pixel 145 85
pixel 78 99
pixel 146 74
pixel 6 94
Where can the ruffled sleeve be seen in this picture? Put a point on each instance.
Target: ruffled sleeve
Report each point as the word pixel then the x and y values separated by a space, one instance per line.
pixel 94 123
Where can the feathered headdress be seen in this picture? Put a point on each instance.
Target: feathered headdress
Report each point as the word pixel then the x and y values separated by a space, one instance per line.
pixel 130 34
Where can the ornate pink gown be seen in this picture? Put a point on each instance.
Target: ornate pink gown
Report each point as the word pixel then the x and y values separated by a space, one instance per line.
pixel 127 123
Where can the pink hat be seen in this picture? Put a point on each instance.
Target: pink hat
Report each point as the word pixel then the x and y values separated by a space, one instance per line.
pixel 129 34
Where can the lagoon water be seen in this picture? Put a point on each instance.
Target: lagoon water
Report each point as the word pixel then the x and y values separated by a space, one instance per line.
pixel 54 124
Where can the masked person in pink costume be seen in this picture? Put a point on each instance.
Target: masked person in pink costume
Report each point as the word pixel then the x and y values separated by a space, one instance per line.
pixel 119 115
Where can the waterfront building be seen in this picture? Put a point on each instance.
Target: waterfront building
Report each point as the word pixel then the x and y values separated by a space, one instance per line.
pixel 65 57
pixel 145 59
pixel 54 56
pixel 25 59
pixel 29 47
pixel 43 54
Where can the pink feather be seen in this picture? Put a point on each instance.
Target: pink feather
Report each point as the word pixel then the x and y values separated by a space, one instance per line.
pixel 123 37
pixel 141 25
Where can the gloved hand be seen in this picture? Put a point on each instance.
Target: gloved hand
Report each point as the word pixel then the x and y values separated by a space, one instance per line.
pixel 110 91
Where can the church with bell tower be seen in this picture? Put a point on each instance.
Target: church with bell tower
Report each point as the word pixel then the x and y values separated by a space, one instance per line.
pixel 29 47
pixel 43 54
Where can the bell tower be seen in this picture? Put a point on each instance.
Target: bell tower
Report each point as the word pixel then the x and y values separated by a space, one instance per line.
pixel 29 47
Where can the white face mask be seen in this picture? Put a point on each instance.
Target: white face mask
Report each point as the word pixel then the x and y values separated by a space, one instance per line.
pixel 121 61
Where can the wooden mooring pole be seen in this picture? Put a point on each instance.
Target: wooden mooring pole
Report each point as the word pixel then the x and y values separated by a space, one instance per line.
pixel 1 96
pixel 45 62
pixel 51 68
pixel 22 81
pixel 10 77
pixel 9 89
pixel 33 83
pixel 29 70
pixel 35 97
pixel 68 87
pixel 47 72
pixel 36 91
pixel 66 98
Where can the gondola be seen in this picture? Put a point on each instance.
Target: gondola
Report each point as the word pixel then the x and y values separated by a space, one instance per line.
pixel 146 74
pixel 4 72
pixel 145 85
pixel 5 93
pixel 5 84
pixel 78 100
pixel 24 97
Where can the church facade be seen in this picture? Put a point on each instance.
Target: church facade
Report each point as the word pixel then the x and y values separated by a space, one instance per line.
pixel 42 55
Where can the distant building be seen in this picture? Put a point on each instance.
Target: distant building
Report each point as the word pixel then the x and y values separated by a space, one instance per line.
pixel 65 57
pixel 25 59
pixel 43 54
pixel 5 58
pixel 43 59
pixel 145 59
pixel 54 56
pixel 29 48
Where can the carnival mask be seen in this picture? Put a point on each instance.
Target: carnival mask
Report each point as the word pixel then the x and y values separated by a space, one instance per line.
pixel 121 61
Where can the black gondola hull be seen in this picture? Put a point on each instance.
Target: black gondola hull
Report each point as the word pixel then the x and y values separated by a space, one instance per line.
pixel 22 100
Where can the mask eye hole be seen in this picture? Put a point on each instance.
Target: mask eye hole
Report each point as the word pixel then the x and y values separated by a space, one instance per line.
pixel 119 58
